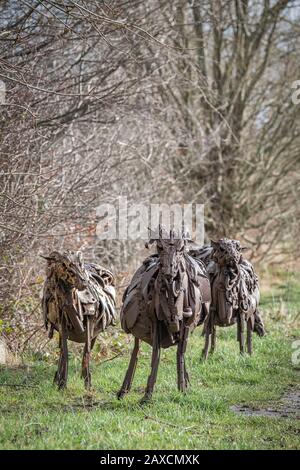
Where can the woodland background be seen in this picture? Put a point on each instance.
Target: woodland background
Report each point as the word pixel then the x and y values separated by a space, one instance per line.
pixel 157 100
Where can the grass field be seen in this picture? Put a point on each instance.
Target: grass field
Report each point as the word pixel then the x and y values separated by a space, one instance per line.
pixel 34 415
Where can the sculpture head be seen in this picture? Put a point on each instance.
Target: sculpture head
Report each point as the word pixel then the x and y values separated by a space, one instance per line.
pixel 69 268
pixel 227 251
pixel 171 248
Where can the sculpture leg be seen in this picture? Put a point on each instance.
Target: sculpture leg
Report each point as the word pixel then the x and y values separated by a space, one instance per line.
pixel 207 333
pixel 130 371
pixel 206 345
pixel 61 375
pixel 186 376
pixel 249 336
pixel 182 375
pixel 55 380
pixel 213 339
pixel 154 363
pixel 86 374
pixel 241 328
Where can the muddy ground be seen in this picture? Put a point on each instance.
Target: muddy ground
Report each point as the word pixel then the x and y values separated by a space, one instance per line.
pixel 287 407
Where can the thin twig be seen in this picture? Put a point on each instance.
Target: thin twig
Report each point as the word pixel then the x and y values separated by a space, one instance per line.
pixel 111 358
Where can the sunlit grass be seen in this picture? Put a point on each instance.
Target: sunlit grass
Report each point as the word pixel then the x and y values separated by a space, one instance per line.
pixel 34 415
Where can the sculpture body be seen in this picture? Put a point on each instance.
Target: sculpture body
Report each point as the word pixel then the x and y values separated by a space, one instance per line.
pixel 79 302
pixel 166 299
pixel 235 293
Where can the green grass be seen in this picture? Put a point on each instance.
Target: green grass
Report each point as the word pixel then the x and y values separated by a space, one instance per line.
pixel 37 416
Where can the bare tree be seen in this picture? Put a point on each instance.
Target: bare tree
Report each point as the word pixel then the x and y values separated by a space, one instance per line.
pixel 228 91
pixel 184 100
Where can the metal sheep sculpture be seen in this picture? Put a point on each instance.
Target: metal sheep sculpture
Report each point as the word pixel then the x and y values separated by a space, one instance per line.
pixel 79 302
pixel 235 293
pixel 163 303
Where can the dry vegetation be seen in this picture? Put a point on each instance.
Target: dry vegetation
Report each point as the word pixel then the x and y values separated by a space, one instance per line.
pixel 155 100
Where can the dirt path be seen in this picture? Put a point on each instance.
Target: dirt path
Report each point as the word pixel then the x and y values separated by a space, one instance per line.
pixel 287 407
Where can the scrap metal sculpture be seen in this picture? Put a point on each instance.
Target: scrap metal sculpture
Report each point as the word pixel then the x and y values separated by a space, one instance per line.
pixel 79 302
pixel 235 293
pixel 163 303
